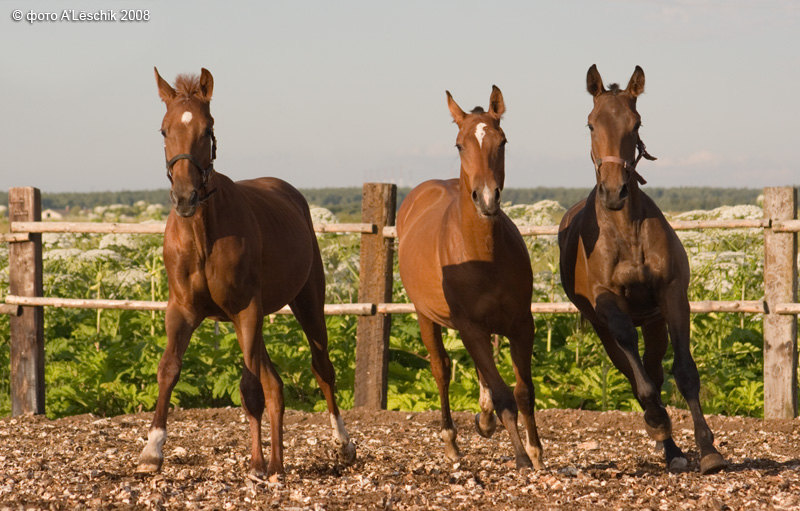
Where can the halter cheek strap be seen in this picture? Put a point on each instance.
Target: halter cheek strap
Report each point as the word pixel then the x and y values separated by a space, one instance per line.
pixel 204 172
pixel 626 164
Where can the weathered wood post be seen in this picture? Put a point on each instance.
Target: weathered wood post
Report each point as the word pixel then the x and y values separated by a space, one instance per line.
pixel 780 286
pixel 378 206
pixel 27 329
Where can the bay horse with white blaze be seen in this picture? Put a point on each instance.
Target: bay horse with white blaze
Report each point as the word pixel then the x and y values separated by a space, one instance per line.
pixel 465 266
pixel 624 267
pixel 235 251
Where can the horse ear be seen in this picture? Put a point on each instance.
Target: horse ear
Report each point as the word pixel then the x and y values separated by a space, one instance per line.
pixel 455 110
pixel 496 104
pixel 165 90
pixel 636 83
pixel 206 84
pixel 594 84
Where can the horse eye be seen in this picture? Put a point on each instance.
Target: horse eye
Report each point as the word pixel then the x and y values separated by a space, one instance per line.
pixel 458 146
pixel 504 142
pixel 591 128
pixel 163 133
pixel 637 126
pixel 209 132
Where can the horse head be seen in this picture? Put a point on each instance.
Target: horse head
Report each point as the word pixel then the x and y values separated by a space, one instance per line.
pixel 481 146
pixel 189 143
pixel 614 126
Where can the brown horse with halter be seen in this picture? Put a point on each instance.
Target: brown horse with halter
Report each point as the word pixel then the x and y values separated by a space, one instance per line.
pixel 235 251
pixel 465 266
pixel 624 267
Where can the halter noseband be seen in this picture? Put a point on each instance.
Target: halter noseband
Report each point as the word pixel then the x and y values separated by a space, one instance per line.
pixel 205 173
pixel 626 164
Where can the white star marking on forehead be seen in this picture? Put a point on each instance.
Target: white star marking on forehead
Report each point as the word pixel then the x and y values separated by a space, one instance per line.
pixel 480 132
pixel 186 118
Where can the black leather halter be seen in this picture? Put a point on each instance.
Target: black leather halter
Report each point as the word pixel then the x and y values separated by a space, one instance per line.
pixel 205 173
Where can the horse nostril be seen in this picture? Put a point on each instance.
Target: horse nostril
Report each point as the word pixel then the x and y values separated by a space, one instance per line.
pixel 623 192
pixel 172 197
pixel 497 194
pixel 193 197
pixel 475 195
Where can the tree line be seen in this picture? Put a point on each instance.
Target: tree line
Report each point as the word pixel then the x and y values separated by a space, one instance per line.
pixel 346 202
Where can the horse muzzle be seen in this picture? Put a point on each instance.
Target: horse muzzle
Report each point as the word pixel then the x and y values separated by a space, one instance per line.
pixel 185 206
pixel 487 200
pixel 613 198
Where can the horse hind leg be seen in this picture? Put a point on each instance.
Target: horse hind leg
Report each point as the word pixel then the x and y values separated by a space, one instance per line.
pixel 655 347
pixel 179 327
pixel 477 343
pixel 431 334
pixel 308 309
pixel 521 352
pixel 688 379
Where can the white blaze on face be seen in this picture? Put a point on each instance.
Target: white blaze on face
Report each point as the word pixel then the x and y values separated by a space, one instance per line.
pixel 186 118
pixel 480 132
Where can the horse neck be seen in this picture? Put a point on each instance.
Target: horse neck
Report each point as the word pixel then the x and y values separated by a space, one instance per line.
pixel 476 230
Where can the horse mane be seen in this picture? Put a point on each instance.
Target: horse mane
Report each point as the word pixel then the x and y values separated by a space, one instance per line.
pixel 478 110
pixel 188 85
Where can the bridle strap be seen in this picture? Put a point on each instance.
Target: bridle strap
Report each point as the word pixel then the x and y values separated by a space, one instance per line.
pixel 205 173
pixel 626 164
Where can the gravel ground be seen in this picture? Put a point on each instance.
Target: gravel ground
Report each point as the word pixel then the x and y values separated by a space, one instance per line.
pixel 594 461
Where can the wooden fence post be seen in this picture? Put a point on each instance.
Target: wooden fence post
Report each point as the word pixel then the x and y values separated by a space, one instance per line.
pixel 780 286
pixel 378 205
pixel 27 329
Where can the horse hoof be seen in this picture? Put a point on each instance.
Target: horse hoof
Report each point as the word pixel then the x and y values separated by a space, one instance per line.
pixel 524 462
pixel 659 434
pixel 452 452
pixel 488 430
pixel 711 463
pixel 148 466
pixel 678 464
pixel 347 453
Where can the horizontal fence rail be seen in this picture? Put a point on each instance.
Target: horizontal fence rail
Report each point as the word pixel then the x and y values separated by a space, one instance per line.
pixel 146 228
pixel 369 309
pixel 24 302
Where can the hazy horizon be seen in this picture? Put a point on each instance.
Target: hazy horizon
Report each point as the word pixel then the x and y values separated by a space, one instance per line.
pixel 336 94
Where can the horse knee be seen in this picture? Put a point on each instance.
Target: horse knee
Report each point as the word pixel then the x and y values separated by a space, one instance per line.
pixel 169 369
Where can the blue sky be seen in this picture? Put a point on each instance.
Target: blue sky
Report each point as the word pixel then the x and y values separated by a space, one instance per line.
pixel 338 93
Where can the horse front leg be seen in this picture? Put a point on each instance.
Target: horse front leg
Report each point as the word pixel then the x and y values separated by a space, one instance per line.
pixel 618 334
pixel 655 347
pixel 431 334
pixel 179 324
pixel 676 307
pixel 260 382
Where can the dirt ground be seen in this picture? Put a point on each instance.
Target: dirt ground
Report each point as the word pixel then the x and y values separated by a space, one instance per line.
pixel 593 461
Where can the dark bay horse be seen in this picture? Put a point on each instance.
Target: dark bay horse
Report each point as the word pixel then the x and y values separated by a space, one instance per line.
pixel 235 251
pixel 624 267
pixel 465 266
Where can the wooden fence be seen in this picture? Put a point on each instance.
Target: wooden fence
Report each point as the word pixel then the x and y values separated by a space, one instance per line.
pixel 25 301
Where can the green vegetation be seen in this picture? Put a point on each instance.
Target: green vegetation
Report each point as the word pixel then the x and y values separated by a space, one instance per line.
pixel 105 362
pixel 345 203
